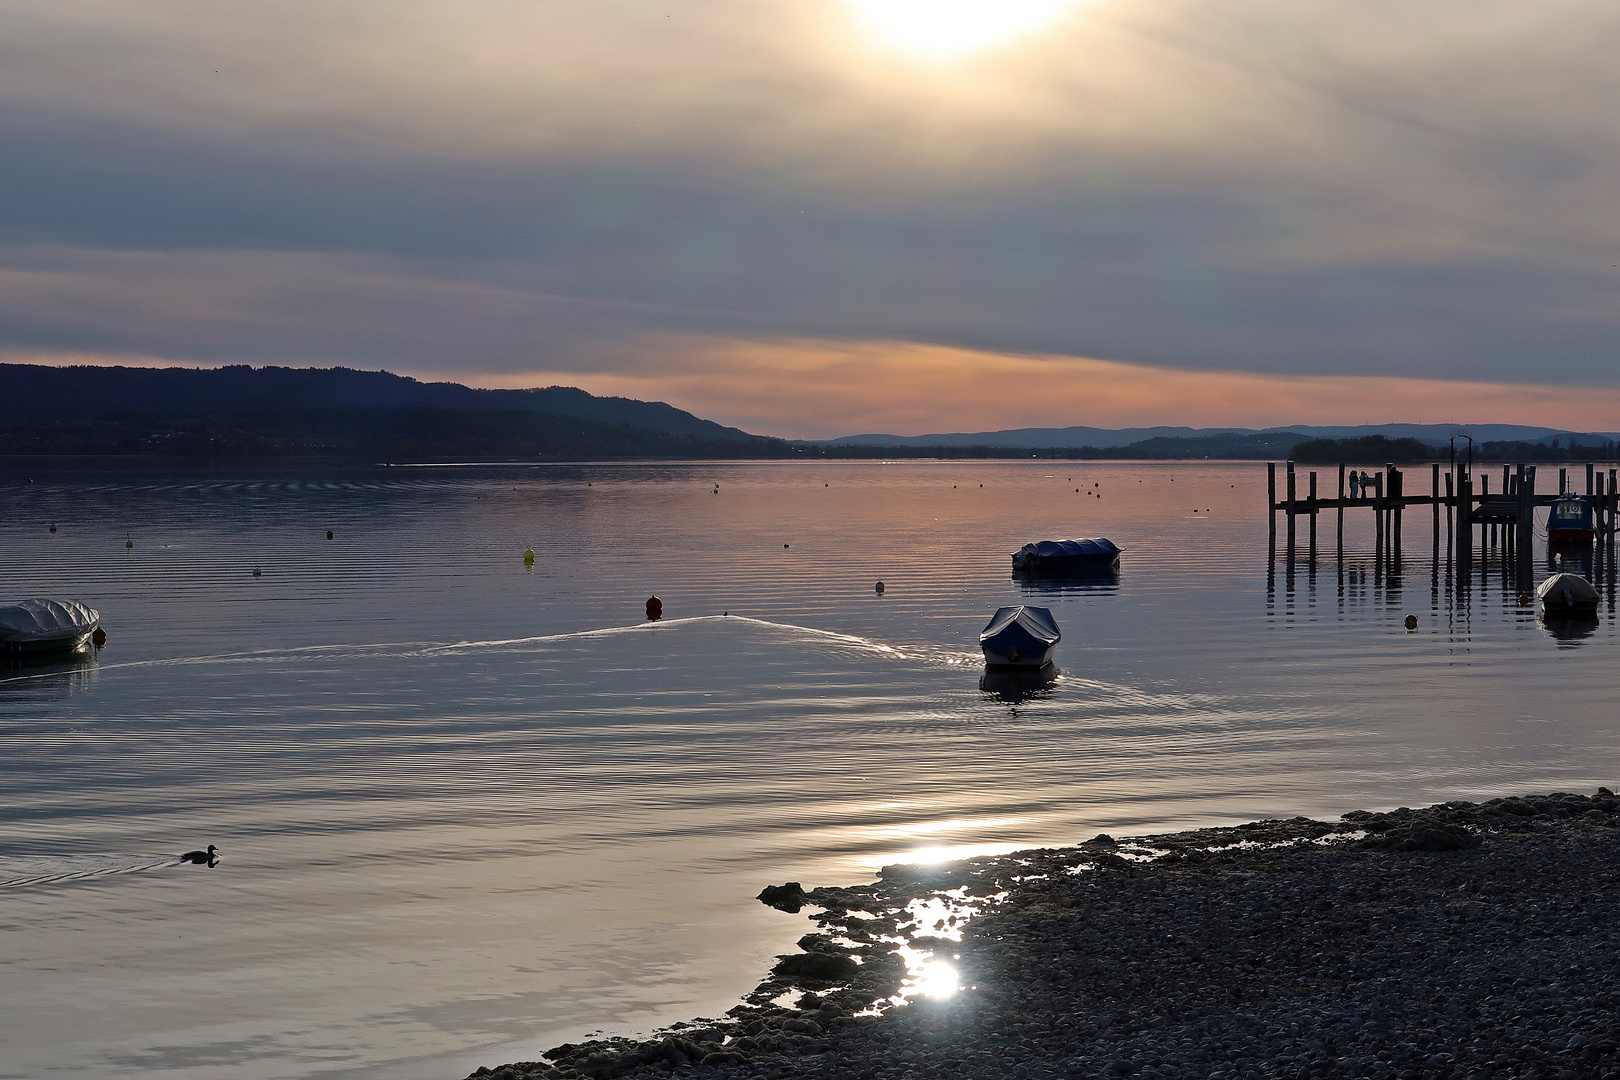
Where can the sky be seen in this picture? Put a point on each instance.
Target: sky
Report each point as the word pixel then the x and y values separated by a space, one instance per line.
pixel 813 218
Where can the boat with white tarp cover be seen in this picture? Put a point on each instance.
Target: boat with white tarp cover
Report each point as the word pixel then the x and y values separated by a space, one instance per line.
pixel 1567 592
pixel 31 626
pixel 1020 636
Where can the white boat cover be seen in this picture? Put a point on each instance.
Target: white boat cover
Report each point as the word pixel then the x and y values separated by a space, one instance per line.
pixel 1567 590
pixel 46 620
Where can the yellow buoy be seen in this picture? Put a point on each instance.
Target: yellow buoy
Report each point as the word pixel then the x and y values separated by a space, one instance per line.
pixel 528 556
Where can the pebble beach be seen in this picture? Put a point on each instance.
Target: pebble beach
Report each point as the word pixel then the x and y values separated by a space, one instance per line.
pixel 1462 940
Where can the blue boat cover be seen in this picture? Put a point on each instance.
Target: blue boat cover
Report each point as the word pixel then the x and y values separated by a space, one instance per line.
pixel 1031 629
pixel 1069 549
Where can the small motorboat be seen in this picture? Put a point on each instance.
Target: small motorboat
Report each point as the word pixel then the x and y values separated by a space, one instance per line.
pixel 1570 520
pixel 1066 557
pixel 1567 593
pixel 1020 636
pixel 38 626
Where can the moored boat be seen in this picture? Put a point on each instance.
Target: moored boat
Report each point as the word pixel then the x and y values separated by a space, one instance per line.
pixel 37 626
pixel 1059 557
pixel 1570 520
pixel 1567 593
pixel 1020 636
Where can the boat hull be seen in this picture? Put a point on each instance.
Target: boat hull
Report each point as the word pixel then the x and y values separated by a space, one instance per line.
pixel 34 646
pixel 1016 658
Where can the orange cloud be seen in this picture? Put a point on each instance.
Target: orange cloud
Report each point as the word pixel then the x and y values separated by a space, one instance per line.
pixel 817 389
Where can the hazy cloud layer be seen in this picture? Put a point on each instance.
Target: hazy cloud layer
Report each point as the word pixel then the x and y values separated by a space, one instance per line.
pixel 1417 189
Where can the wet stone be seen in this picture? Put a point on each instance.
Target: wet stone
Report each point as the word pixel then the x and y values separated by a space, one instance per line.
pixel 1452 941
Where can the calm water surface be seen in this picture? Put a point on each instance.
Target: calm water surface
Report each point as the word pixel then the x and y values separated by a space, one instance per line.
pixel 470 809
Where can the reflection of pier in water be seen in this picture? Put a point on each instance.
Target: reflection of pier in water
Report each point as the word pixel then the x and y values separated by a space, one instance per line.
pixel 1478 543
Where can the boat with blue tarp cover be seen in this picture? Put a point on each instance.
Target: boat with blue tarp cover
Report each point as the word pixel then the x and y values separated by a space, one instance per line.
pixel 1570 519
pixel 1020 636
pixel 1066 556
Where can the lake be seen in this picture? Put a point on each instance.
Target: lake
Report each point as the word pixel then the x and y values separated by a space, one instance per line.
pixel 470 808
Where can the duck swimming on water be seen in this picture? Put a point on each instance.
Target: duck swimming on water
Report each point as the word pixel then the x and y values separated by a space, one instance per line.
pixel 201 858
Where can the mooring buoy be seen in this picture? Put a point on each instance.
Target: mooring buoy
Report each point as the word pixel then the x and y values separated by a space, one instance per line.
pixel 655 608
pixel 879 587
pixel 528 556
pixel 329 534
pixel 257 572
pixel 1411 622
pixel 98 637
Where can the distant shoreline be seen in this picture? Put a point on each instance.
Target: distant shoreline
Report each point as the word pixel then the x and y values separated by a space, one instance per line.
pixel 1458 940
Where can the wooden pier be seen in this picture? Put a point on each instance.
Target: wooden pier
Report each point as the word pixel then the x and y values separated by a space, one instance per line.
pixel 1458 493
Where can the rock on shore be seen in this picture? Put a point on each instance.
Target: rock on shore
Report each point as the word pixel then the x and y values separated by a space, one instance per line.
pixel 1459 941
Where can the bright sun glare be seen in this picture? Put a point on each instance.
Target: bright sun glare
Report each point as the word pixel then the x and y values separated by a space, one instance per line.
pixel 947 28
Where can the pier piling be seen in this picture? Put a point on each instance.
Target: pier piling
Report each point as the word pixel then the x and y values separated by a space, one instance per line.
pixel 1292 510
pixel 1312 506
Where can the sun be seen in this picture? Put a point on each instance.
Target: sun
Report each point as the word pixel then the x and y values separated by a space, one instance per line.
pixel 942 29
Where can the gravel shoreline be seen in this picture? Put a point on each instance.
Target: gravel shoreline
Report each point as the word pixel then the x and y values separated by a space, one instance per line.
pixel 1464 940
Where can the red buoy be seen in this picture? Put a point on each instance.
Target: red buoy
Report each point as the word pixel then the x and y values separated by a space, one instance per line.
pixel 655 608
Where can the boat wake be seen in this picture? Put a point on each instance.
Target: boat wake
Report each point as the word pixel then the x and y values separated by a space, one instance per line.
pixel 919 653
pixel 21 871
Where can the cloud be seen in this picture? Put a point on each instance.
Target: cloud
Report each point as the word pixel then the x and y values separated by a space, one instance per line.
pixel 1416 189
pixel 823 389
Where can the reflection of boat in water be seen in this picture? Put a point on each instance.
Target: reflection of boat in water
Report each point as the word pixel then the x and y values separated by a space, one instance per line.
pixel 76 664
pixel 1104 580
pixel 1066 557
pixel 1569 627
pixel 44 626
pixel 1568 594
pixel 1015 684
pixel 1020 636
pixel 1570 520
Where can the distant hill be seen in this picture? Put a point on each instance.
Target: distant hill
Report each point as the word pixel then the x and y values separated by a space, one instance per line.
pixel 1105 438
pixel 1262 445
pixel 237 411
pixel 1036 438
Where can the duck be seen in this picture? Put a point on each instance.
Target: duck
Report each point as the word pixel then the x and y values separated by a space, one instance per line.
pixel 202 858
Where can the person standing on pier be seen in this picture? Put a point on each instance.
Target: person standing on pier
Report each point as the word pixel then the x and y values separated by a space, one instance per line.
pixel 1355 484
